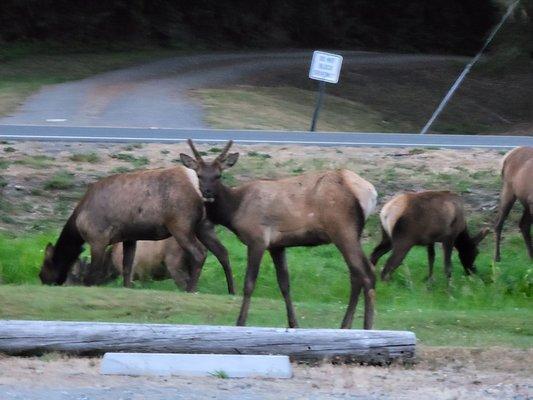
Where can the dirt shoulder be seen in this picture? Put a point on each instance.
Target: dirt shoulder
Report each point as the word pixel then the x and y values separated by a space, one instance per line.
pixel 34 173
pixel 441 373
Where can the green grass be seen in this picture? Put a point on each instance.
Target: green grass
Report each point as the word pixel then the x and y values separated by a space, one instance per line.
pixel 91 157
pixel 61 180
pixel 38 161
pixel 492 308
pixel 137 162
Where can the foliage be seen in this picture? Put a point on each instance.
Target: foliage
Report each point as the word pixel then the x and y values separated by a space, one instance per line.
pixel 444 25
pixel 91 157
pixel 60 180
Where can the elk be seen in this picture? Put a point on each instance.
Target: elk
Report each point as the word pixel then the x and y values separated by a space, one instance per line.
pixel 305 210
pixel 425 218
pixel 517 176
pixel 154 259
pixel 142 205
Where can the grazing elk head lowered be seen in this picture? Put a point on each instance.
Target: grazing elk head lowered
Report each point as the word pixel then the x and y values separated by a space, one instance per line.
pixel 141 205
pixel 305 210
pixel 467 248
pixel 425 218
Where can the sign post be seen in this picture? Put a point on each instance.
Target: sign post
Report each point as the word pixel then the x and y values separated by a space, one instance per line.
pixel 325 67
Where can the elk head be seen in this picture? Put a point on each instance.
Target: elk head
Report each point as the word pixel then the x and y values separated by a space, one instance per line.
pixel 48 274
pixel 209 172
pixel 469 251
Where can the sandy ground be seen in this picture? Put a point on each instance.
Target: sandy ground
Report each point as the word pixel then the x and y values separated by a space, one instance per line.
pixel 441 373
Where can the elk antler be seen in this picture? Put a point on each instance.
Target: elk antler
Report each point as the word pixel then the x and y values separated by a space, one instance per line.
pixel 196 153
pixel 224 151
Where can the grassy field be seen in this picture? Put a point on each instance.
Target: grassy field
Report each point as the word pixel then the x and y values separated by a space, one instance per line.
pixel 463 315
pixel 25 69
pixel 42 183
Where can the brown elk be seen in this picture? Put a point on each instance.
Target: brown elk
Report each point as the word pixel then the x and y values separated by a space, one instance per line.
pixel 144 205
pixel 154 259
pixel 517 176
pixel 425 218
pixel 305 210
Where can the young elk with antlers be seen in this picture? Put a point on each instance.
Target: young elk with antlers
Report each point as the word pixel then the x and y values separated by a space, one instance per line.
pixel 144 205
pixel 424 218
pixel 305 210
pixel 517 175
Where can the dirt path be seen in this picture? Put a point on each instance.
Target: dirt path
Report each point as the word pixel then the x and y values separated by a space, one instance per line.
pixel 156 94
pixel 442 373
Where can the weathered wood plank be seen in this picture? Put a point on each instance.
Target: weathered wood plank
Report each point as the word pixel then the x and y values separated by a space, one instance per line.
pixel 31 337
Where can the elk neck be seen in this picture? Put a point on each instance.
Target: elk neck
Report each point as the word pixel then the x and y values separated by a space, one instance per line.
pixel 227 202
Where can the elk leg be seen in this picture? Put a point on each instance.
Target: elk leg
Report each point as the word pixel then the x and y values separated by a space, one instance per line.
pixel 255 254
pixel 178 266
pixel 361 276
pixel 525 228
pixel 193 247
pixel 355 291
pixel 282 272
pixel 431 260
pixel 506 203
pixel 382 248
pixel 395 260
pixel 95 273
pixel 128 251
pixel 447 248
pixel 209 239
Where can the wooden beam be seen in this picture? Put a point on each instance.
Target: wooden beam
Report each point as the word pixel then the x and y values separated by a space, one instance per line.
pixel 34 337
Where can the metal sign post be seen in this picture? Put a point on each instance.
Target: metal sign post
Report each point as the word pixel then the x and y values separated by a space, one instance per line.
pixel 321 90
pixel 325 67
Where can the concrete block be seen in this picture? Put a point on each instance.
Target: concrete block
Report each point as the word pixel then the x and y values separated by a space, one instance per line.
pixel 227 365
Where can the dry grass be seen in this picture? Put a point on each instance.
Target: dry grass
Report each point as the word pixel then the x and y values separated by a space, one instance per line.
pixel 284 108
pixel 388 97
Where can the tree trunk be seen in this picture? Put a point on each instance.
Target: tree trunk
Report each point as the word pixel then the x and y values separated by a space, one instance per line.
pixel 34 337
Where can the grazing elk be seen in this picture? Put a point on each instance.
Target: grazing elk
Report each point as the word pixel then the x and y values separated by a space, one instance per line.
pixel 305 210
pixel 517 176
pixel 154 259
pixel 143 205
pixel 425 218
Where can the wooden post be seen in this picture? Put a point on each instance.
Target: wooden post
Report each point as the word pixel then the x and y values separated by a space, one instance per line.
pixel 34 337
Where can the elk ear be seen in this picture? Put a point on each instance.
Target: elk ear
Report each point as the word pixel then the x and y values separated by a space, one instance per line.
pixel 229 161
pixel 49 251
pixel 188 161
pixel 481 235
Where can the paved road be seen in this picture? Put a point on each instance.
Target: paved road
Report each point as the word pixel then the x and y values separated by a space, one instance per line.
pixel 114 134
pixel 158 93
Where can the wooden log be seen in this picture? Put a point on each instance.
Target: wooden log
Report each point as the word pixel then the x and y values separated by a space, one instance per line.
pixel 35 337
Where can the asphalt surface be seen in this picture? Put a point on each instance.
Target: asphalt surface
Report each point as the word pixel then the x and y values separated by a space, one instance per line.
pixel 115 134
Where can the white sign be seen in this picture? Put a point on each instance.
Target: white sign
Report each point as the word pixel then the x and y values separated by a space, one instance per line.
pixel 325 67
